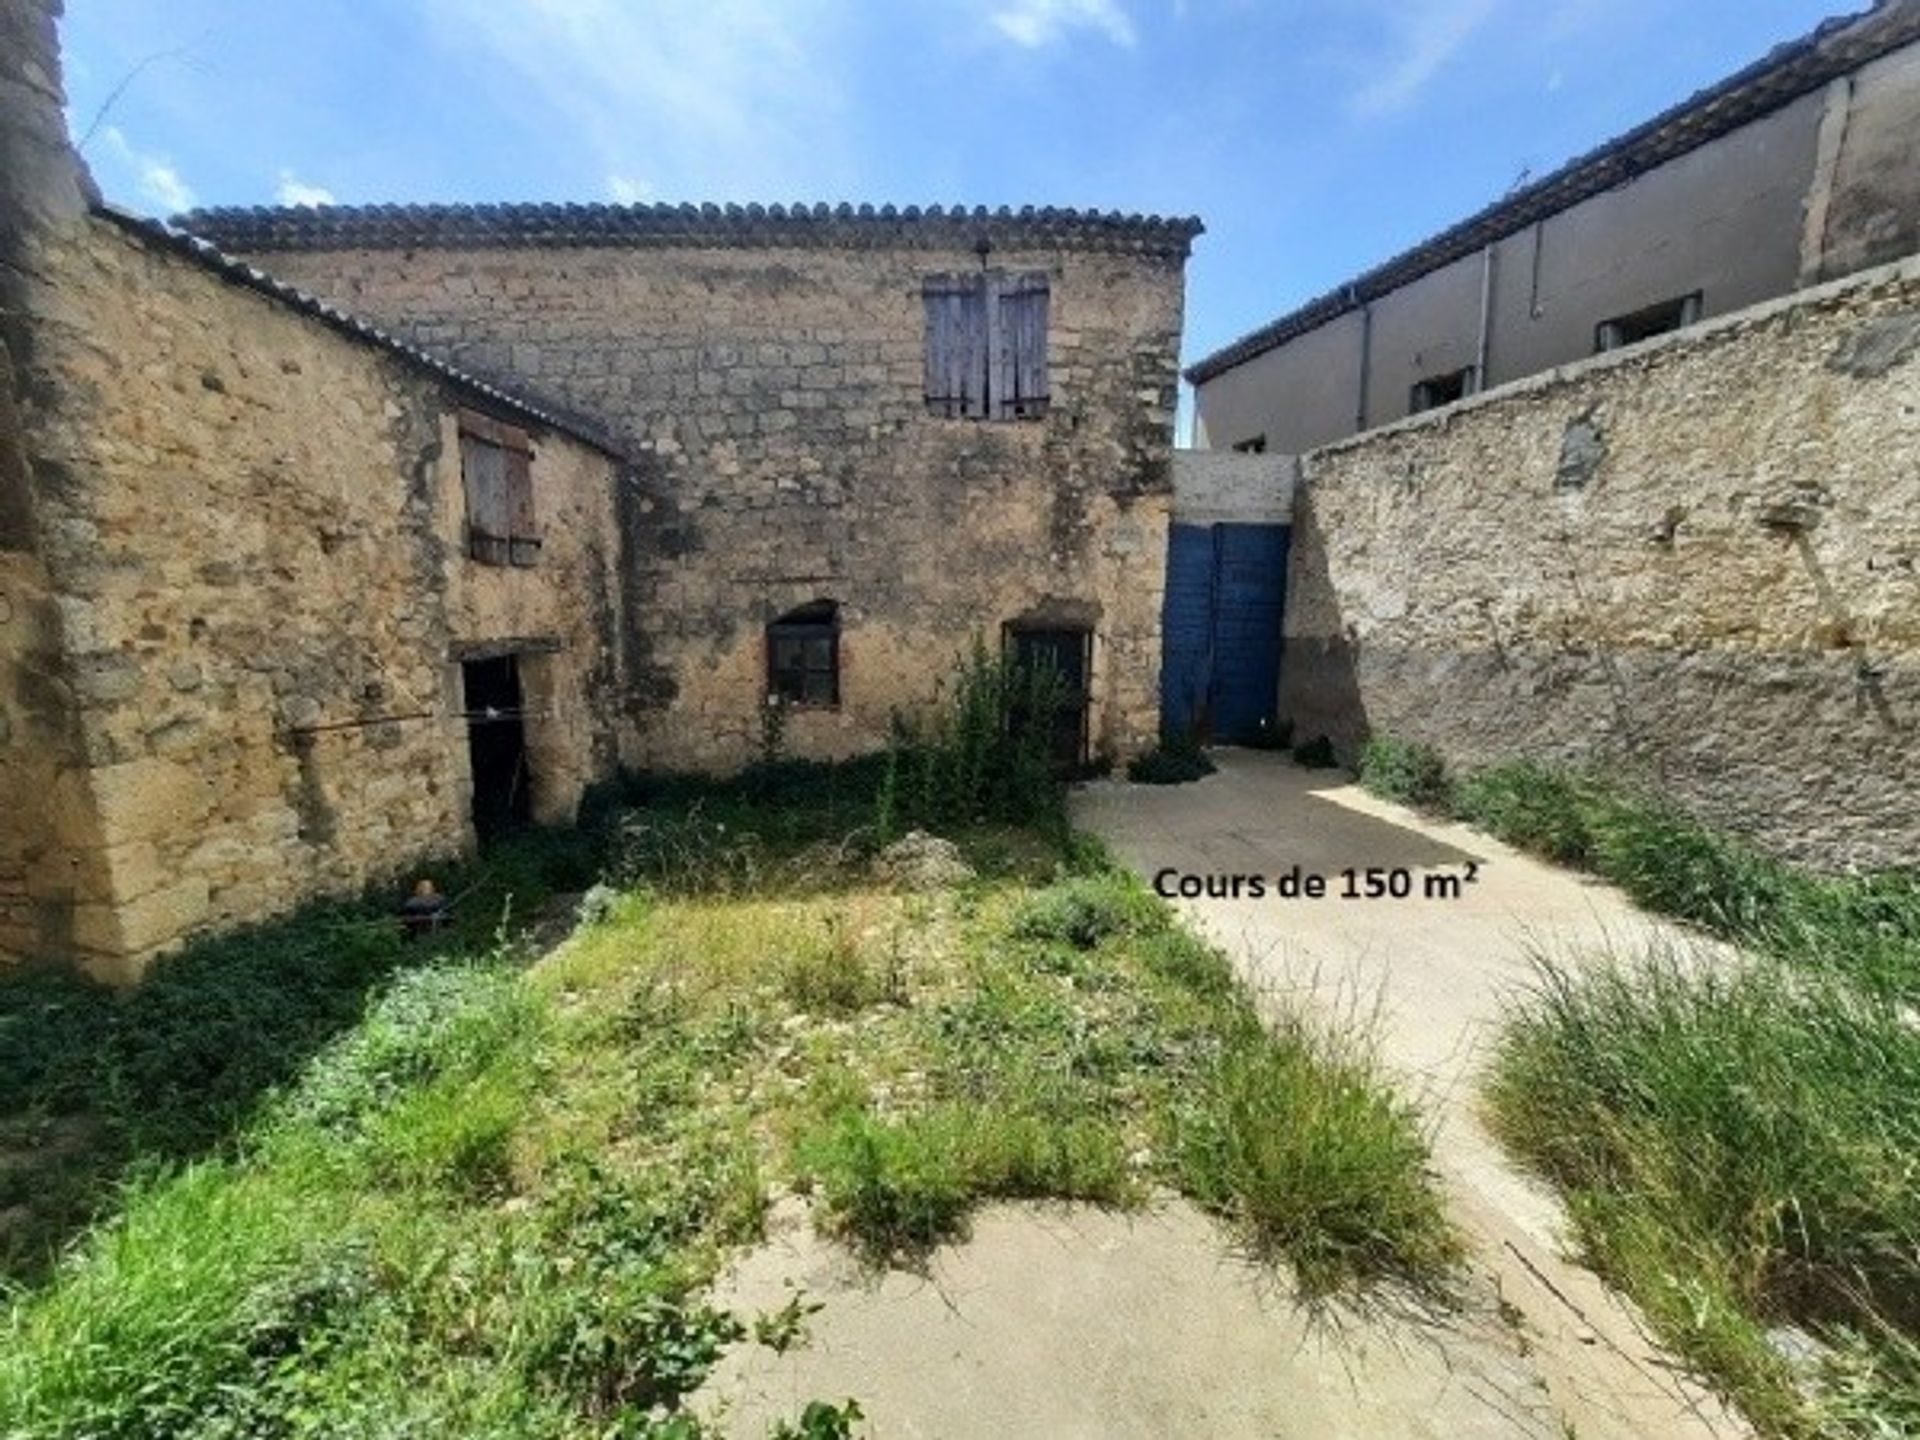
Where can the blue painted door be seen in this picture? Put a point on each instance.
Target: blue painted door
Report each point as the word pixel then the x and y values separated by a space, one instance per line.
pixel 1220 658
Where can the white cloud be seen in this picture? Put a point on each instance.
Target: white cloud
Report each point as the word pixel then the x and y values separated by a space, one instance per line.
pixel 1423 37
pixel 294 191
pixel 625 190
pixel 724 100
pixel 153 175
pixel 1034 23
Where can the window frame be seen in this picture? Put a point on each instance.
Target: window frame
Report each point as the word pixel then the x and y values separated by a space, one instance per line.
pixel 1421 399
pixel 987 337
pixel 502 529
pixel 1637 326
pixel 806 629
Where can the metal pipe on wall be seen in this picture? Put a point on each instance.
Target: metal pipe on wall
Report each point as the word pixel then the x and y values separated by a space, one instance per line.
pixel 1486 318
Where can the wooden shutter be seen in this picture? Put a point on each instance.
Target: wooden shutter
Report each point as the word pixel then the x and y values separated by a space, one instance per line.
pixel 1020 369
pixel 524 531
pixel 483 469
pixel 957 345
pixel 496 468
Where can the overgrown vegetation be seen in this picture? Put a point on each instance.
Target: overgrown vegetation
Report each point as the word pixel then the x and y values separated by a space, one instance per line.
pixel 1736 1137
pixel 375 1187
pixel 1178 760
pixel 94 1085
pixel 985 755
pixel 1406 771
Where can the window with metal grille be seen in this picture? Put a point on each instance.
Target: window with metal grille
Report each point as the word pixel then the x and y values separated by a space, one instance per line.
pixel 1644 324
pixel 803 655
pixel 986 346
pixel 496 470
pixel 1437 390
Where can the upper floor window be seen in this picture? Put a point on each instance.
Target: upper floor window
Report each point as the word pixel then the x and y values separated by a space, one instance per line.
pixel 496 470
pixel 986 345
pixel 803 655
pixel 1438 390
pixel 1647 323
pixel 1256 446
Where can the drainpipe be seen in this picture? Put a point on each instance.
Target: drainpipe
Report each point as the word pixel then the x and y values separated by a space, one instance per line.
pixel 1486 318
pixel 1366 357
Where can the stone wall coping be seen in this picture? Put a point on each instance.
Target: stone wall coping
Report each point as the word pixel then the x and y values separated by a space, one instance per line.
pixel 1897 274
pixel 483 393
pixel 261 229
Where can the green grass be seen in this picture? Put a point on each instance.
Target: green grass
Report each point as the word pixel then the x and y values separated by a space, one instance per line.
pixel 478 1197
pixel 1736 1141
pixel 1866 927
pixel 1406 771
pixel 1739 1150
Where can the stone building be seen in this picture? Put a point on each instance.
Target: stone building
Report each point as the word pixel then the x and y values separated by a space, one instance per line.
pixel 288 601
pixel 1797 170
pixel 888 430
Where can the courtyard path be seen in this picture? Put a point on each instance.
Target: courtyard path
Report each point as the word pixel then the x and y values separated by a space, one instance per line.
pixel 1433 970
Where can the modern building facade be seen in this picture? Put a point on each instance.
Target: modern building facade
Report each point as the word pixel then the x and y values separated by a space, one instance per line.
pixel 1799 169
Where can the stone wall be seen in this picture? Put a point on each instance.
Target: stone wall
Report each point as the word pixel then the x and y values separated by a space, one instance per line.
pixel 245 607
pixel 1696 561
pixel 778 392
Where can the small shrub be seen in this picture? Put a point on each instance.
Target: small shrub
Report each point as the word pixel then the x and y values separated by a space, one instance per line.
pixel 1533 807
pixel 1408 771
pixel 1272 735
pixel 685 853
pixel 896 1188
pixel 986 754
pixel 1083 911
pixel 1672 864
pixel 1316 754
pixel 1300 1141
pixel 829 974
pixel 1178 761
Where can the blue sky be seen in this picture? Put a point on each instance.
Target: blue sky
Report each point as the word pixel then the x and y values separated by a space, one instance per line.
pixel 1314 137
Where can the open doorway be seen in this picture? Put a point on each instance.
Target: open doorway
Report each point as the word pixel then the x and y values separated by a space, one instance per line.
pixel 497 745
pixel 1068 655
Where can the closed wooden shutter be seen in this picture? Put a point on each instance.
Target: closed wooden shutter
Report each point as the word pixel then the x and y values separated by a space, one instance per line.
pixel 483 470
pixel 496 470
pixel 1021 369
pixel 957 351
pixel 524 531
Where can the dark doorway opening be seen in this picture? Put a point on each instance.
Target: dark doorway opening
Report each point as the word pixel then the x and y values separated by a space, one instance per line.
pixel 497 745
pixel 1067 654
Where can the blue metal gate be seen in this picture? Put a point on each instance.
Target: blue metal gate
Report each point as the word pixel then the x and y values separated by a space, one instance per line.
pixel 1220 629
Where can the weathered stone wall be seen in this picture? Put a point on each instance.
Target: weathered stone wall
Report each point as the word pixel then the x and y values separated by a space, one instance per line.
pixel 780 393
pixel 250 539
pixel 1697 561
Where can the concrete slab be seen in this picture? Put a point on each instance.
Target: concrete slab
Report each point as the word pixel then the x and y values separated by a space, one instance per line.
pixel 1435 972
pixel 1070 1322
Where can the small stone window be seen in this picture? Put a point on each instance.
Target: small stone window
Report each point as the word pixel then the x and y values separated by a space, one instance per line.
pixel 496 470
pixel 1438 390
pixel 1668 315
pixel 986 346
pixel 803 656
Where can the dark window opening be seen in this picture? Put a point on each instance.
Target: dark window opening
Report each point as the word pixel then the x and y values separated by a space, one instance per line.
pixel 1438 390
pixel 1068 654
pixel 496 471
pixel 497 745
pixel 1256 446
pixel 1661 319
pixel 986 348
pixel 803 655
